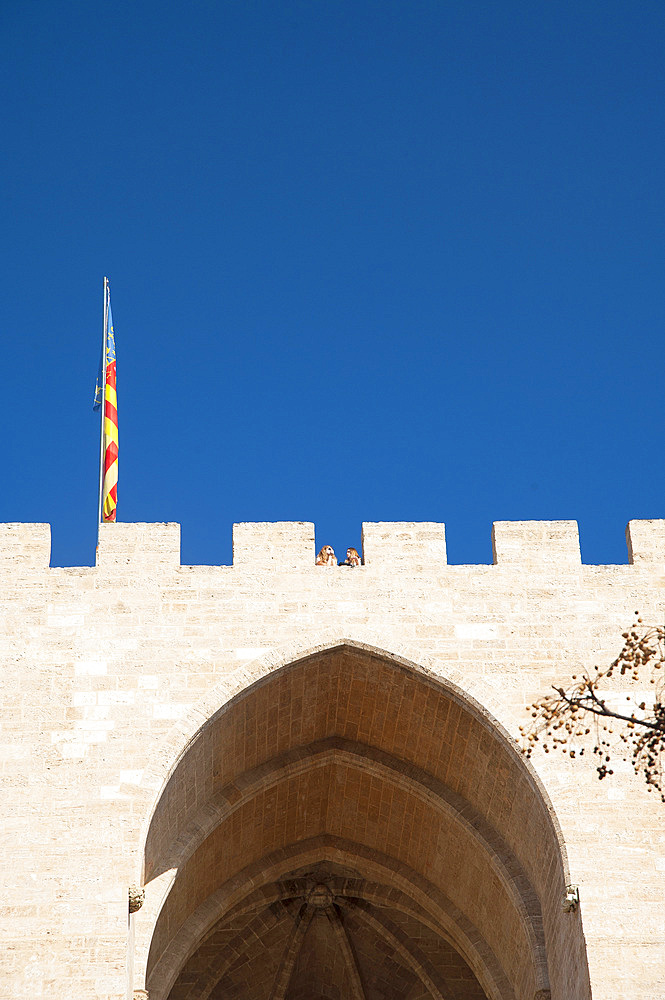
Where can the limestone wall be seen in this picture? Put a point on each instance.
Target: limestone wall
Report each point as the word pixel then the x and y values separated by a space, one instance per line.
pixel 107 672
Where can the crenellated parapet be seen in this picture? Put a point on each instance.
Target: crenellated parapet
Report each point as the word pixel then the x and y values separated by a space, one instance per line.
pixel 414 546
pixel 127 545
pixel 646 541
pixel 24 546
pixel 548 544
pixel 273 545
pixel 410 545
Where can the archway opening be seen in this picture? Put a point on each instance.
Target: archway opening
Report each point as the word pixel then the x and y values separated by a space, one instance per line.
pixel 350 826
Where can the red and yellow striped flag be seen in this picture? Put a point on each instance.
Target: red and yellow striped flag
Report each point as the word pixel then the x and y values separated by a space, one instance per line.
pixel 105 393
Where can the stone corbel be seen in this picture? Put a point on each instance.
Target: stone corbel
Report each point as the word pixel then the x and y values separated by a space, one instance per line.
pixel 136 899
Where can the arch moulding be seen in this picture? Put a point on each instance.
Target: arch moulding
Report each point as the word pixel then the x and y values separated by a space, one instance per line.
pixel 470 695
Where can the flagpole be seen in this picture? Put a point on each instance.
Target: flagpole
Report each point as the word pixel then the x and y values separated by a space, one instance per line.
pixel 103 409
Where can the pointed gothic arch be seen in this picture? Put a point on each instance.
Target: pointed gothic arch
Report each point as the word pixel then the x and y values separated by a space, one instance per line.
pixel 350 768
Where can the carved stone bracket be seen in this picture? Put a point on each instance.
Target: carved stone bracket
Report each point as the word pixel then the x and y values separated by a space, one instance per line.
pixel 136 899
pixel 571 899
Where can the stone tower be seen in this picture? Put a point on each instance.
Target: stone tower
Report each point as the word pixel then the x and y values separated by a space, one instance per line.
pixel 280 780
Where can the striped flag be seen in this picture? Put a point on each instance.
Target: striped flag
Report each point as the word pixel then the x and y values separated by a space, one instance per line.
pixel 105 392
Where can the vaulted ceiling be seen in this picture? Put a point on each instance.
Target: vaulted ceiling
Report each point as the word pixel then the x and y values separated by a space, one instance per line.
pixel 325 932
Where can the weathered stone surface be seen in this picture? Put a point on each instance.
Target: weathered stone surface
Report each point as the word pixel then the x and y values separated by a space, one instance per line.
pixel 646 541
pixel 109 673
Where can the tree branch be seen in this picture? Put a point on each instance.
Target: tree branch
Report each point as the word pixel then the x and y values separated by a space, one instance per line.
pixel 603 710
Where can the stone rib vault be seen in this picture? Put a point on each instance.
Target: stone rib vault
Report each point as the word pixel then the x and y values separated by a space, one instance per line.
pixel 307 776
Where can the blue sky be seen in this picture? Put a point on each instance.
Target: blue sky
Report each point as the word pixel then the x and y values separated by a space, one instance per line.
pixel 368 261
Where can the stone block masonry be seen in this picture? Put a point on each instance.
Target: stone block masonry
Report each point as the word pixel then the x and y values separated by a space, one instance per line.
pixel 108 673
